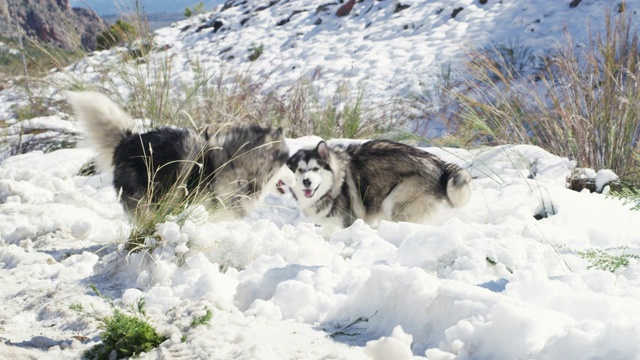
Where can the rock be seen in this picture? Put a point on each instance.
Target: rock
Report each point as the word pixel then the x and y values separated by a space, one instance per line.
pixel 43 342
pixel 216 24
pixel 586 178
pixel 400 7
pixel 345 9
pixel 455 12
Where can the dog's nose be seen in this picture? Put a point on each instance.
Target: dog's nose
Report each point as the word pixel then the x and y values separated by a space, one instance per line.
pixel 306 182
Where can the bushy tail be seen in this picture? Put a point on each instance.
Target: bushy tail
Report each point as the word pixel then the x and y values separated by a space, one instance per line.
pixel 458 185
pixel 104 122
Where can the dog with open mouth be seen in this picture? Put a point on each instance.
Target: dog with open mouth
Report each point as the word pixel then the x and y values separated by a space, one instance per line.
pixel 375 180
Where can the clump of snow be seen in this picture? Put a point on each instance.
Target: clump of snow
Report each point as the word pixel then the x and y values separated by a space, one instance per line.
pixel 604 177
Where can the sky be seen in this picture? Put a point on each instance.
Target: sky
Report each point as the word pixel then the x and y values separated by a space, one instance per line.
pixel 528 269
pixel 108 7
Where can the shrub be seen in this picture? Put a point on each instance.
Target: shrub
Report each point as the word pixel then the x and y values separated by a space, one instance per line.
pixel 116 34
pixel 125 335
pixel 255 51
pixel 197 9
pixel 610 259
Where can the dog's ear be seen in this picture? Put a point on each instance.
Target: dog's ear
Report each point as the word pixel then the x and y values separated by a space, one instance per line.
pixel 323 150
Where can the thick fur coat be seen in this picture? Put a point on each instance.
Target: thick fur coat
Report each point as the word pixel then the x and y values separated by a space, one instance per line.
pixel 229 166
pixel 376 180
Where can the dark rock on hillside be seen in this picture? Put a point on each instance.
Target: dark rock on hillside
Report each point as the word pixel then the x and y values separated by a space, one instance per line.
pixel 455 12
pixel 345 9
pixel 216 24
pixel 400 7
pixel 52 21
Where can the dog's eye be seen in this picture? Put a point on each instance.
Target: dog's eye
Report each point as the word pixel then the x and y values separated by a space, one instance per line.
pixel 300 171
pixel 316 168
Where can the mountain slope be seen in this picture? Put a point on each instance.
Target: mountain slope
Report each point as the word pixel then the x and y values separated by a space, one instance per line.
pixel 385 47
pixel 52 21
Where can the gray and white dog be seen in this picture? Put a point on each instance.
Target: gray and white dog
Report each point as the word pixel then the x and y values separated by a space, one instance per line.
pixel 230 166
pixel 376 180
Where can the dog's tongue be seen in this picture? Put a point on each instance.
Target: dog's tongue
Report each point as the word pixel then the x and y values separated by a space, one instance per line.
pixel 308 193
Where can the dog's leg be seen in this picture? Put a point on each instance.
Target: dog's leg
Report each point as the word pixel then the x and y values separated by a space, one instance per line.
pixel 410 201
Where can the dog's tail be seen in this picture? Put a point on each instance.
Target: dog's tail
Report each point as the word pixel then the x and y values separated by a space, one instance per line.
pixel 459 185
pixel 104 122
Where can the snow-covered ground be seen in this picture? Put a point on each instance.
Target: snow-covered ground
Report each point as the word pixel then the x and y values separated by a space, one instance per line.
pixel 508 276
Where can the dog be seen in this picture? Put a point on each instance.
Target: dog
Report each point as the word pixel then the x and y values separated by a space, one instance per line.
pixel 230 166
pixel 375 180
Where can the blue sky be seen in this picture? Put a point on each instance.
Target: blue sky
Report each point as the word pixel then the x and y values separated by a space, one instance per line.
pixel 106 7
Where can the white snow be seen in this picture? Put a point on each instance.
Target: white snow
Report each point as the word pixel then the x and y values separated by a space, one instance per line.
pixel 603 177
pixel 485 281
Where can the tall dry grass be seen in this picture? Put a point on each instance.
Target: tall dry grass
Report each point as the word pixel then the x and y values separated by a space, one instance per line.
pixel 580 102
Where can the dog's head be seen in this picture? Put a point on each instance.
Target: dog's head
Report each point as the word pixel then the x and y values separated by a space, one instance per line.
pixel 312 172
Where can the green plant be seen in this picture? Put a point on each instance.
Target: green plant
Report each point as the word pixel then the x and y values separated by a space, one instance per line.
pixel 197 9
pixel 202 320
pixel 630 194
pixel 255 51
pixel 125 335
pixel 609 259
pixel 117 34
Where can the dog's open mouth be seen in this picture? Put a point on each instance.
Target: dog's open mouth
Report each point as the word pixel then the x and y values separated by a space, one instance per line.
pixel 309 192
pixel 281 187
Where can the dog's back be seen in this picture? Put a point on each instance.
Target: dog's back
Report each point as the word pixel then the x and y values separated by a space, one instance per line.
pixel 380 164
pixel 402 183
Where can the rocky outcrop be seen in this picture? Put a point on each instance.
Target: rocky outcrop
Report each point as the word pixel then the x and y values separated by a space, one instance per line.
pixel 52 21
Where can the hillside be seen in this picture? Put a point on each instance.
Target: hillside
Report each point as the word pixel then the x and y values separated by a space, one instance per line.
pixel 51 21
pixel 382 48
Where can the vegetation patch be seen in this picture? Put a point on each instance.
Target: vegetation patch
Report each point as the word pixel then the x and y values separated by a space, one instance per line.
pixel 197 9
pixel 350 330
pixel 117 34
pixel 578 102
pixel 609 259
pixel 125 334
